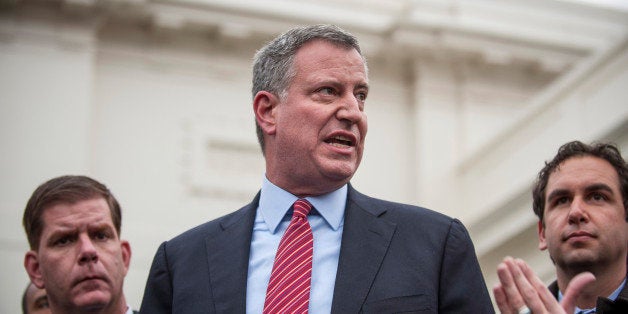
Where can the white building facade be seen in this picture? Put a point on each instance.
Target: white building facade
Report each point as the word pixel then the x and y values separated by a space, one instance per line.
pixel 152 98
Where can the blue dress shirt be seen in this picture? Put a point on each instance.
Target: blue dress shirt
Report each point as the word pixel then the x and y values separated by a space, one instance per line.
pixel 271 221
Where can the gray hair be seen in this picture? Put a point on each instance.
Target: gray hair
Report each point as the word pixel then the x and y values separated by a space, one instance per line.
pixel 272 65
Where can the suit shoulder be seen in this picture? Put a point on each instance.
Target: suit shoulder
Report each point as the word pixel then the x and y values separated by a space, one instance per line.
pixel 400 211
pixel 206 229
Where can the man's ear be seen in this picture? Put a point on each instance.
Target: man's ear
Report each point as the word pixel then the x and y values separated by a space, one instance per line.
pixel 126 254
pixel 264 105
pixel 31 264
pixel 541 231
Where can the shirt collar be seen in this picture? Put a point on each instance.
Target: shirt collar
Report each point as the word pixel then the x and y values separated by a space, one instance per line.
pixel 611 297
pixel 615 293
pixel 275 203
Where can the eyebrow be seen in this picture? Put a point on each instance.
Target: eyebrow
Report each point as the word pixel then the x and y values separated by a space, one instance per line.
pixel 74 230
pixel 590 188
pixel 335 82
pixel 556 193
pixel 598 187
pixel 362 86
pixel 62 232
pixel 106 227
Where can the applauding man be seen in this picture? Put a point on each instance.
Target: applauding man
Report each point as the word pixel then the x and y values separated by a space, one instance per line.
pixel 581 199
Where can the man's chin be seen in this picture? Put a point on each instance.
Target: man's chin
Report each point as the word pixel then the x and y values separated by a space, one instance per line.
pixel 579 262
pixel 341 170
pixel 92 301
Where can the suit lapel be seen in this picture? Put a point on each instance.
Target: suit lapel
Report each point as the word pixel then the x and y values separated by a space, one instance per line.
pixel 620 305
pixel 365 241
pixel 624 292
pixel 603 305
pixel 228 259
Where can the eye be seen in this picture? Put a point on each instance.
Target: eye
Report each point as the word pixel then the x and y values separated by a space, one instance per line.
pixel 561 200
pixel 361 96
pixel 598 197
pixel 42 303
pixel 327 91
pixel 63 241
pixel 101 235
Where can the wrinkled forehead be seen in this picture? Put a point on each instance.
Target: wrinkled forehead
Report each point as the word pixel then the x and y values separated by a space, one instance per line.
pixel 81 213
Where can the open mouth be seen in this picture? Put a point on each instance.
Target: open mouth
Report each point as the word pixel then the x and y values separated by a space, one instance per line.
pixel 340 141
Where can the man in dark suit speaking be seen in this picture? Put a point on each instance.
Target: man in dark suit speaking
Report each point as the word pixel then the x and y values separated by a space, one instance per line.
pixel 309 242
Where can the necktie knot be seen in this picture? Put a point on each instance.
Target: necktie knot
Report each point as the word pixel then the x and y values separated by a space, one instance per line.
pixel 301 208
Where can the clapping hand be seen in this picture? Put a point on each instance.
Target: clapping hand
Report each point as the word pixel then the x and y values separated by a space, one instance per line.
pixel 520 291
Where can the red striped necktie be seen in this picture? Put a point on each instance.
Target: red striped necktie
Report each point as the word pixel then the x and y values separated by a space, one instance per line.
pixel 289 287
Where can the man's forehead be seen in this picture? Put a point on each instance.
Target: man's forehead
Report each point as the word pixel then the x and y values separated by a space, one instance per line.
pixel 584 171
pixel 308 47
pixel 94 211
pixel 322 59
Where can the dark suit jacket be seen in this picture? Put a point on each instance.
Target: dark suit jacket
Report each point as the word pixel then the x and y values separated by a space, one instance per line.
pixel 393 258
pixel 604 305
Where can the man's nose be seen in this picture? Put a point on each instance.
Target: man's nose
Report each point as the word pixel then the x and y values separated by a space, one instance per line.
pixel 88 253
pixel 578 212
pixel 350 109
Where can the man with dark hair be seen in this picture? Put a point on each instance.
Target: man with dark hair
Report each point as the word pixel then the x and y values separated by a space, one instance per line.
pixel 35 300
pixel 73 227
pixel 581 200
pixel 309 242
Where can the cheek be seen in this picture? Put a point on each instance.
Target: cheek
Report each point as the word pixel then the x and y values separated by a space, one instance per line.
pixel 364 125
pixel 296 127
pixel 114 261
pixel 56 271
pixel 551 230
pixel 51 262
